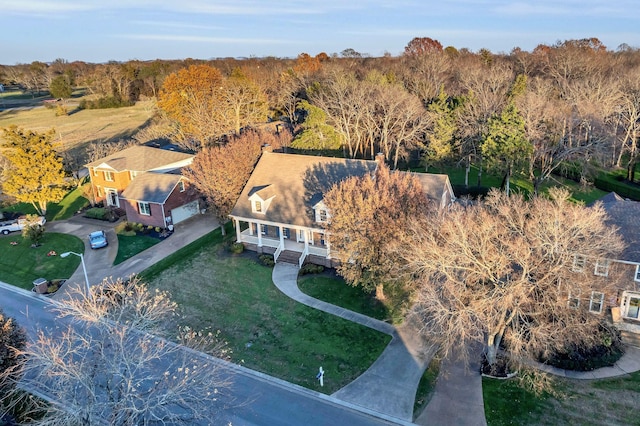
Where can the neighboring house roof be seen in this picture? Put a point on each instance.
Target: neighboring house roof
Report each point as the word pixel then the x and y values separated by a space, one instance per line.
pixel 434 186
pixel 296 183
pixel 151 187
pixel 625 214
pixel 142 158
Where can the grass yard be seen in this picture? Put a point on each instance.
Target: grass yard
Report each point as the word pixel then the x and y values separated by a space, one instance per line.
pixel 581 402
pixel 129 246
pixel 333 289
pixel 82 126
pixel 426 386
pixel 266 331
pixel 70 204
pixel 20 264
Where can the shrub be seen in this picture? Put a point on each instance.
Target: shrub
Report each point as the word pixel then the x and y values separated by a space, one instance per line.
pixel 267 260
pixel 125 228
pixel 236 248
pixel 580 358
pixel 96 213
pixel 158 229
pixel 310 268
pixel 106 102
pixel 61 110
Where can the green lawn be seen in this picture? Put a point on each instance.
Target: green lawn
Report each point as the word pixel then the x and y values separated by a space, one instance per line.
pixel 129 246
pixel 335 290
pixel 426 386
pixel 266 330
pixel 580 402
pixel 20 264
pixel 70 204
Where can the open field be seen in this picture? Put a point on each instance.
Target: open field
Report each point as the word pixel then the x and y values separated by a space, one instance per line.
pixel 82 126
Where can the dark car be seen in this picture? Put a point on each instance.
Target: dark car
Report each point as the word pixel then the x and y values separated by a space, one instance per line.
pixel 98 239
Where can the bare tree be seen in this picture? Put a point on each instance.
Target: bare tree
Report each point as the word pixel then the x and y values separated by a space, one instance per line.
pixel 511 271
pixel 109 363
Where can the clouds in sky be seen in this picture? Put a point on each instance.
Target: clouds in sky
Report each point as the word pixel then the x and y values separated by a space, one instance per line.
pixel 99 30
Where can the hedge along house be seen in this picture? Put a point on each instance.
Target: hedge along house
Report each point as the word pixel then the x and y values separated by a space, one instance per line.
pixel 280 210
pixel 147 184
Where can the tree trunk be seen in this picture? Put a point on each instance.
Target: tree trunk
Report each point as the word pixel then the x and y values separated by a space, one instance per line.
pixel 467 170
pixel 380 292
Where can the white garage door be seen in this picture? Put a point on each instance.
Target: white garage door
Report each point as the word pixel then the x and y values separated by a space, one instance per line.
pixel 185 212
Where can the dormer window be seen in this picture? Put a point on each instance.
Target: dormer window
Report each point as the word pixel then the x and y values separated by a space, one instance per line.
pixel 257 206
pixel 181 186
pixel 322 215
pixel 321 212
pixel 108 176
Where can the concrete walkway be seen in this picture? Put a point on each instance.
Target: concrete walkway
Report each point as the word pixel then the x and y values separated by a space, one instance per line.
pixel 390 384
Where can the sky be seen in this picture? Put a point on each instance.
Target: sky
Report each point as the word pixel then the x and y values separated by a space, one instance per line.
pixel 121 30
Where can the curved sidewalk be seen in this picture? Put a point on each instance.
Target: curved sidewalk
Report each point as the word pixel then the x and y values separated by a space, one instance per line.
pixel 390 384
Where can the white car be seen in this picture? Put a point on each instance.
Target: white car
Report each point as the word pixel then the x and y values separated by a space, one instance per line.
pixel 17 225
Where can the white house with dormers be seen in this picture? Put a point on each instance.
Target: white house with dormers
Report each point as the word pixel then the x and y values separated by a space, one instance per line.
pixel 281 210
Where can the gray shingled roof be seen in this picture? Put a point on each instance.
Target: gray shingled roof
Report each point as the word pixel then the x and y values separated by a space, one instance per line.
pixel 625 214
pixel 141 158
pixel 151 187
pixel 298 182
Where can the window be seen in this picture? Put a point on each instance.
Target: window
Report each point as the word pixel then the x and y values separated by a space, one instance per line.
pixel 602 268
pixel 181 186
pixel 257 206
pixel 637 276
pixel 264 229
pixel 108 176
pixel 596 302
pixel 95 171
pixel 286 233
pixel 579 262
pixel 144 208
pixel 99 189
pixel 573 300
pixel 322 215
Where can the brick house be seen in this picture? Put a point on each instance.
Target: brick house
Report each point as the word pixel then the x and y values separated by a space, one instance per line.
pixel 147 184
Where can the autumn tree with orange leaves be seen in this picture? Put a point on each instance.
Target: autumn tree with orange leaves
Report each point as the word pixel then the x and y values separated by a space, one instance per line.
pixel 192 97
pixel 220 172
pixel 422 45
pixel 368 215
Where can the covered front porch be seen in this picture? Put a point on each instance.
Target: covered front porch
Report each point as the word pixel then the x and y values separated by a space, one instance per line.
pixel 278 238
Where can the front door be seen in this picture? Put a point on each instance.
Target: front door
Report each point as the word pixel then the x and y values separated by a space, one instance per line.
pixel 112 197
pixel 631 305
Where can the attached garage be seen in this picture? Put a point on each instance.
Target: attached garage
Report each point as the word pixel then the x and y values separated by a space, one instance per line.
pixel 185 212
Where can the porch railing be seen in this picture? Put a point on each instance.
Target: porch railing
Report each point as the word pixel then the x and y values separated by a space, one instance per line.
pixel 278 251
pixel 304 255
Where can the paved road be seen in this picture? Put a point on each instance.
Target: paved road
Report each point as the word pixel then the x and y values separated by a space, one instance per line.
pixel 254 398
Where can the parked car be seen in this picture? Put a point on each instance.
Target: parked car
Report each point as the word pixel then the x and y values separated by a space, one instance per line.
pixel 17 225
pixel 98 239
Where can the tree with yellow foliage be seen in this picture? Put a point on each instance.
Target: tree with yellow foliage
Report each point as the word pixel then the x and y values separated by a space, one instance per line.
pixel 36 172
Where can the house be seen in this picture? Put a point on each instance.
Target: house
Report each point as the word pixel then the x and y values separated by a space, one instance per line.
pixel 624 214
pixel 281 211
pixel 147 184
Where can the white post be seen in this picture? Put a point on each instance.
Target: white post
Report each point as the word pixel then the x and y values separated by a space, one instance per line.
pixel 238 232
pixel 86 278
pixel 259 226
pixel 320 376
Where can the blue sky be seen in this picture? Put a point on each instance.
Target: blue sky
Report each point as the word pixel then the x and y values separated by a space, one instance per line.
pixel 102 30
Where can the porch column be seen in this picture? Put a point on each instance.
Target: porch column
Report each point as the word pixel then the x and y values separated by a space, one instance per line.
pixel 238 232
pixel 326 242
pixel 250 228
pixel 306 239
pixel 281 236
pixel 259 232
